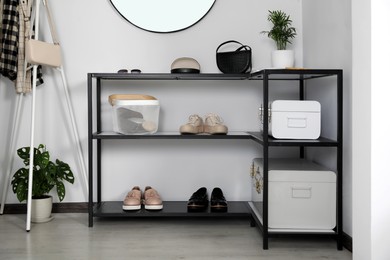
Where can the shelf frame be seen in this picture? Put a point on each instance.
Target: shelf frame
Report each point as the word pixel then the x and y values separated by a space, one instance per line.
pixel 265 76
pixel 302 76
pixel 95 133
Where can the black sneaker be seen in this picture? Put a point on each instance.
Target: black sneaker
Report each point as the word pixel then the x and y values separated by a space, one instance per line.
pixel 218 202
pixel 198 201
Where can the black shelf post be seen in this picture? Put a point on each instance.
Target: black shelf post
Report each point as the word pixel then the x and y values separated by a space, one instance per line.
pixel 301 97
pixel 265 156
pixel 339 160
pixel 98 142
pixel 90 153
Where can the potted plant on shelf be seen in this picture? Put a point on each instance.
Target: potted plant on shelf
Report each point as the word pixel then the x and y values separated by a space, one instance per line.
pixel 46 176
pixel 282 33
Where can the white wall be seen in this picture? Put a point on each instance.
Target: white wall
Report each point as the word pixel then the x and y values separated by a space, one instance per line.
pixel 371 210
pixel 327 44
pixel 379 128
pixel 99 40
pixel 362 102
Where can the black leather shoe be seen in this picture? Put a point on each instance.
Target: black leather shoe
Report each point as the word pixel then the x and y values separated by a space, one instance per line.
pixel 199 201
pixel 218 202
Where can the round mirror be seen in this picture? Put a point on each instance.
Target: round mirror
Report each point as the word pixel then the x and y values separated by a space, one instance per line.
pixel 163 15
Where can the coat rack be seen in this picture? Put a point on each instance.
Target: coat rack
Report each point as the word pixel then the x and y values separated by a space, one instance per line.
pixel 35 15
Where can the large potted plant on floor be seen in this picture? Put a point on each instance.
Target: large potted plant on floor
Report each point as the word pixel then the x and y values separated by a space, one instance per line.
pixel 282 33
pixel 46 176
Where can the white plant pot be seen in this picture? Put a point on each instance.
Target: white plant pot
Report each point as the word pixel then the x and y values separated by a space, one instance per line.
pixel 282 58
pixel 41 210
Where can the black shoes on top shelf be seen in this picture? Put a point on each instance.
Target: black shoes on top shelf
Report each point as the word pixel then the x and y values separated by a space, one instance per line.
pixel 199 201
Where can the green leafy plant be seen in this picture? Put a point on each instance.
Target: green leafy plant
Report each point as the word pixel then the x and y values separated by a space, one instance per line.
pixel 281 32
pixel 46 175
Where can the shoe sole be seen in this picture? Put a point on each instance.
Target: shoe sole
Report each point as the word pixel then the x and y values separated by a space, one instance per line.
pixel 211 130
pixel 195 130
pixel 196 208
pixel 133 207
pixel 153 207
pixel 218 208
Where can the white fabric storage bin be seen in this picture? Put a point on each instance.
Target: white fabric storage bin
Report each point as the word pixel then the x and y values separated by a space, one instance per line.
pixel 301 194
pixel 294 119
pixel 134 114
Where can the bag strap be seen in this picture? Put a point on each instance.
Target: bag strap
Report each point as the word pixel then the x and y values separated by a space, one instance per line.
pixel 27 12
pixel 246 47
pixel 51 23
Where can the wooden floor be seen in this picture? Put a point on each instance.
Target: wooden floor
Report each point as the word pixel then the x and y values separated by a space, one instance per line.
pixel 68 236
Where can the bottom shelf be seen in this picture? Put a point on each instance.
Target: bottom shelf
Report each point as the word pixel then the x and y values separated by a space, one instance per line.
pixel 171 209
pixel 258 216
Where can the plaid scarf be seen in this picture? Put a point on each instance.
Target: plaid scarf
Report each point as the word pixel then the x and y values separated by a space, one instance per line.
pixel 10 39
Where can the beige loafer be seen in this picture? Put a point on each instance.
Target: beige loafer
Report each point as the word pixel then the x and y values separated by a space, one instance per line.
pixel 133 199
pixel 152 200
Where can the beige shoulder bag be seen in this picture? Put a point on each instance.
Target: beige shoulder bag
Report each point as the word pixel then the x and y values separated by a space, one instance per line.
pixel 44 53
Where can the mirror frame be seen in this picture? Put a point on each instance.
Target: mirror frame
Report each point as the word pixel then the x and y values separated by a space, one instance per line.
pixel 167 31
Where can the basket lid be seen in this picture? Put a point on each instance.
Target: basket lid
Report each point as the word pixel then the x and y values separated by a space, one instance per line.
pixel 115 97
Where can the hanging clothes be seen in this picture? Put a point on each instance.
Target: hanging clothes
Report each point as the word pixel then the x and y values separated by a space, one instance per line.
pixel 16 27
pixel 23 79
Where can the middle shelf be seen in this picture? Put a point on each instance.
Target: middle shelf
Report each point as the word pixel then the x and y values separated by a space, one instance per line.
pixel 255 136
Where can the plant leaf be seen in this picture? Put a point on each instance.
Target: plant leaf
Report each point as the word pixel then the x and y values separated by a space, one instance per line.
pixel 42 159
pixel 60 190
pixel 64 172
pixel 20 184
pixel 24 154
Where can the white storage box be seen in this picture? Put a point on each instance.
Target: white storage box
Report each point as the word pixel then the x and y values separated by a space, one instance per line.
pixel 294 119
pixel 301 194
pixel 135 114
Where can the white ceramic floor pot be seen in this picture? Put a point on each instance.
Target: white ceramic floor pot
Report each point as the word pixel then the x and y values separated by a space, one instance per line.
pixel 282 58
pixel 41 209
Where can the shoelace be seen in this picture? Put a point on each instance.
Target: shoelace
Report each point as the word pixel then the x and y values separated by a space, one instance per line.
pixel 213 119
pixel 193 119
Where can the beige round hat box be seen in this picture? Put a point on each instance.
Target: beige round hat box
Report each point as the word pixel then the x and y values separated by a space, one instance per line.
pixel 185 65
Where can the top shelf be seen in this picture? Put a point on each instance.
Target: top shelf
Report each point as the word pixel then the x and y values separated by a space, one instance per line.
pixel 271 74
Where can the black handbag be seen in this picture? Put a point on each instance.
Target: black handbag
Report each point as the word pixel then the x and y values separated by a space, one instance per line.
pixel 238 61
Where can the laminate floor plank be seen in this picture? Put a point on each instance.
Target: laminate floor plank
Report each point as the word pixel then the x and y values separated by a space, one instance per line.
pixel 68 236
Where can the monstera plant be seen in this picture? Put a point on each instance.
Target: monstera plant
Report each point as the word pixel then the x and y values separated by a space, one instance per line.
pixel 46 175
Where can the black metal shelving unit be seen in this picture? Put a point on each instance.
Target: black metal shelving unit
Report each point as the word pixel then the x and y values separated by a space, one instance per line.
pixel 101 208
